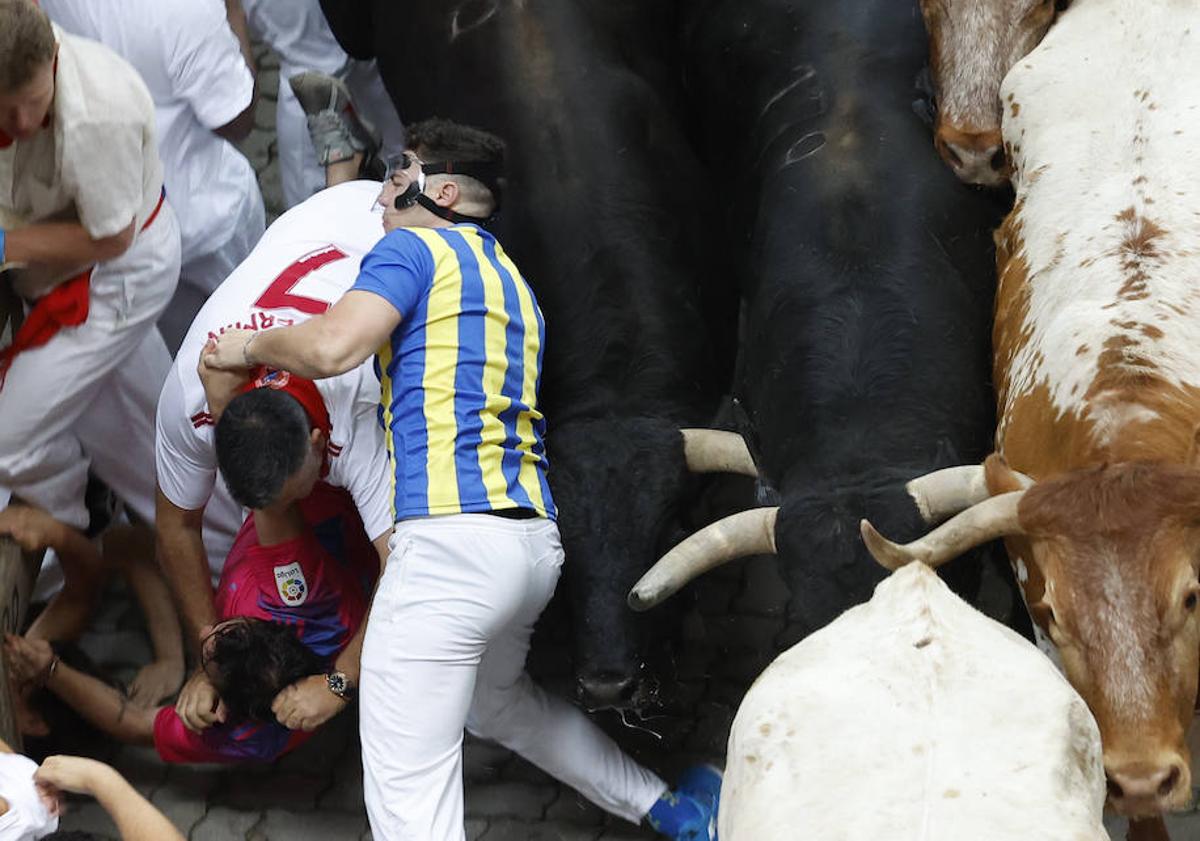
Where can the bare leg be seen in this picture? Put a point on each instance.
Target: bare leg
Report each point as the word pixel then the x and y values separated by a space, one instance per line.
pixel 132 549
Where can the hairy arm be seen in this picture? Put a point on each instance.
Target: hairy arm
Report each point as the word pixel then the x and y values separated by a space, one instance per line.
pixel 323 346
pixel 184 564
pixel 62 248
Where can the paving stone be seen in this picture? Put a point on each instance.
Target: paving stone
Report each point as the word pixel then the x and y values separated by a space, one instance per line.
pixel 264 114
pixel 625 832
pixel 141 767
pixel 182 807
pixel 521 770
pixel 475 827
pixel 513 830
pixel 346 793
pixel 88 816
pixel 272 189
pixel 572 808
pixel 483 761
pixel 320 826
pixel 289 790
pixel 515 800
pixel 221 824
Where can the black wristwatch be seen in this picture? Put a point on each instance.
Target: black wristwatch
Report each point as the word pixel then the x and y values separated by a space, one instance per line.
pixel 340 685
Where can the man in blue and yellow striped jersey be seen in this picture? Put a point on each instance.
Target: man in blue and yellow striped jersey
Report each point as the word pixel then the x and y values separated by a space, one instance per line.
pixel 475 554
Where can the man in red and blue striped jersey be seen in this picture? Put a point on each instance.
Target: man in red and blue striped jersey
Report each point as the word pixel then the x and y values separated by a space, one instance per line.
pixel 475 554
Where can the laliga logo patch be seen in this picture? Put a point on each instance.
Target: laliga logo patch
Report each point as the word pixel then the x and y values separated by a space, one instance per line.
pixel 289 580
pixel 273 379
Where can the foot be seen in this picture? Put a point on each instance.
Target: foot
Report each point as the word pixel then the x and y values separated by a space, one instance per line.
pixel 337 130
pixel 689 812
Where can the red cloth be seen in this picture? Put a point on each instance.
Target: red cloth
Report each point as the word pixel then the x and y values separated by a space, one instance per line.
pixel 66 305
pixel 305 392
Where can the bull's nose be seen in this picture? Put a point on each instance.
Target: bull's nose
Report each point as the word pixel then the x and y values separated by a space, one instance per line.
pixel 976 157
pixel 1145 788
pixel 604 690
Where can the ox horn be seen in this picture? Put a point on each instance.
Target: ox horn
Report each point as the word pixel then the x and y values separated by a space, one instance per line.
pixel 992 518
pixel 946 492
pixel 745 533
pixel 717 451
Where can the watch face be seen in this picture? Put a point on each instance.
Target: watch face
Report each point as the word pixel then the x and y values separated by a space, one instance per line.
pixel 337 682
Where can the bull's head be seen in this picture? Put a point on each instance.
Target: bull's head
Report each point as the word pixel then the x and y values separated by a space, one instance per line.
pixel 972 46
pixel 1107 558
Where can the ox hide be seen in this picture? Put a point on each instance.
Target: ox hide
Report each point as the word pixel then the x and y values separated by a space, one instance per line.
pixel 913 716
pixel 607 213
pixel 867 272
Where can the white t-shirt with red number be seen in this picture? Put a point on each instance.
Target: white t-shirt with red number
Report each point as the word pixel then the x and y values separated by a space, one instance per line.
pixel 304 263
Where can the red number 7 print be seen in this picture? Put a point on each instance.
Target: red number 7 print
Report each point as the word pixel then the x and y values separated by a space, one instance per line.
pixel 279 295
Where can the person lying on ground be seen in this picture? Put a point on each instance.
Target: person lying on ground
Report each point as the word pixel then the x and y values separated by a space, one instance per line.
pixel 87 565
pixel 135 818
pixel 292 594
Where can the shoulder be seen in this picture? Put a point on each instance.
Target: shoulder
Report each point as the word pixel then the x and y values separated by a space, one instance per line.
pixel 96 87
pixel 404 243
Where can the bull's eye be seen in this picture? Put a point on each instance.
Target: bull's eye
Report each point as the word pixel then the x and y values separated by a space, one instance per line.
pixel 1190 601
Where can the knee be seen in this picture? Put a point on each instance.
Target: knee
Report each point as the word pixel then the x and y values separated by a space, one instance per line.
pixel 500 714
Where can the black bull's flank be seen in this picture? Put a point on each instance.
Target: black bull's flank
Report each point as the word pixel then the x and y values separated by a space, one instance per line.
pixel 603 213
pixel 867 275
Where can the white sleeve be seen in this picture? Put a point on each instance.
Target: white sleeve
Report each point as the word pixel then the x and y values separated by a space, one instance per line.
pixel 364 457
pixel 207 67
pixel 184 456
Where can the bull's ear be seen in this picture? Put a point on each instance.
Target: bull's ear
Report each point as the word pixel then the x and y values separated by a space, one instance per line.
pixel 1000 477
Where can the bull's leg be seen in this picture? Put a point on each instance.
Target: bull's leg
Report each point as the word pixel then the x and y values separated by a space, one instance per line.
pixel 1147 829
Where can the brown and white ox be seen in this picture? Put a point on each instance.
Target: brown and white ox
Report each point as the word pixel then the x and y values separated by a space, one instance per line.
pixel 972 45
pixel 1096 483
pixel 913 716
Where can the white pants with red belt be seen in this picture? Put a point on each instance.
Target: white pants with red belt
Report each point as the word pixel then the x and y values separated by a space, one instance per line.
pixel 88 396
pixel 445 647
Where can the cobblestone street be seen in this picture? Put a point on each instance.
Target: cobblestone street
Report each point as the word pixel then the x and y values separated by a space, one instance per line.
pixel 733 625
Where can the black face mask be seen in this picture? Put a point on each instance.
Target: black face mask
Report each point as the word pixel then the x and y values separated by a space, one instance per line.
pixel 486 173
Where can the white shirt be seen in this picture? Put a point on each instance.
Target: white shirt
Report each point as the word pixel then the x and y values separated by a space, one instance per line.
pixel 298 31
pixel 193 67
pixel 97 161
pixel 26 818
pixel 304 262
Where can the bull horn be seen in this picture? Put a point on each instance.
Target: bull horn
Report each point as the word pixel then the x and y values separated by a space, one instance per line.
pixel 992 518
pixel 745 533
pixel 946 492
pixel 717 451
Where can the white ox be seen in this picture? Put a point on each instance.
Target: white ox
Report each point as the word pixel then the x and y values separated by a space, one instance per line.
pixel 913 717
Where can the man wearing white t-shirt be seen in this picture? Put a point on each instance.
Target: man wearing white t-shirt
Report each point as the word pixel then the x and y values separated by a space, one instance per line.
pixel 304 262
pixel 79 170
pixel 191 60
pixel 298 32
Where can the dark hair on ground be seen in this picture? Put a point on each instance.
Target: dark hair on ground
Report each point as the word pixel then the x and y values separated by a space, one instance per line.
pixel 253 660
pixel 26 43
pixel 262 438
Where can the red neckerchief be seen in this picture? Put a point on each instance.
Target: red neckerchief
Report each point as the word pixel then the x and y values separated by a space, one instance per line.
pixel 306 394
pixel 5 140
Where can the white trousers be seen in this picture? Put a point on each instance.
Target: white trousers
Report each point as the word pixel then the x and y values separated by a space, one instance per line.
pixel 445 647
pixel 89 394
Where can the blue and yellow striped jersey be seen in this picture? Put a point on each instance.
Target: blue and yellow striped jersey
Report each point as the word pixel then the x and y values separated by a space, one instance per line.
pixel 460 374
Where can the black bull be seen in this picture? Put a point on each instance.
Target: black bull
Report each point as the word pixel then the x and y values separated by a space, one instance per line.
pixel 604 216
pixel 868 276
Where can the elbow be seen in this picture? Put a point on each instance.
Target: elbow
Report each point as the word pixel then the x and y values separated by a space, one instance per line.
pixel 334 354
pixel 239 128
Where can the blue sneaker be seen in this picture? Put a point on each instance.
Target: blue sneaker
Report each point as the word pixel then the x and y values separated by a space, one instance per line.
pixel 689 812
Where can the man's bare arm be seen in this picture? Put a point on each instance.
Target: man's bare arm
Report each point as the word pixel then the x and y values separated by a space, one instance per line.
pixel 184 563
pixel 63 247
pixel 240 126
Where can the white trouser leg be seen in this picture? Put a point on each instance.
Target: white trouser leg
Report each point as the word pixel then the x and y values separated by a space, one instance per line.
pixel 454 587
pixel 52 391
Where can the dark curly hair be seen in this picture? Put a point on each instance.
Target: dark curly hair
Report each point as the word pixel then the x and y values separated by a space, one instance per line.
pixel 253 660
